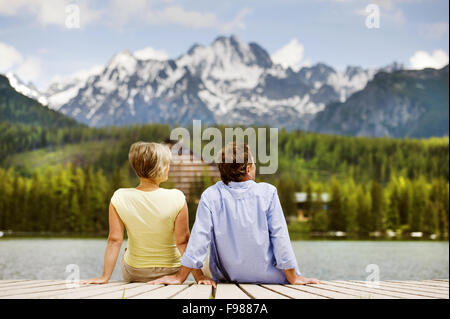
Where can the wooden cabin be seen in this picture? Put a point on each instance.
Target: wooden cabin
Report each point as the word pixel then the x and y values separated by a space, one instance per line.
pixel 187 169
pixel 301 200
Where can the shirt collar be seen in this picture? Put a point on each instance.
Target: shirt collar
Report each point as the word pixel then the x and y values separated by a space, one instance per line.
pixel 244 184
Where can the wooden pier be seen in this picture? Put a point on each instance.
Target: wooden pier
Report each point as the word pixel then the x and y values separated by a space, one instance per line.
pixel 390 289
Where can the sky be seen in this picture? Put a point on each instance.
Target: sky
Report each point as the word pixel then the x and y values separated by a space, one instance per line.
pixel 48 40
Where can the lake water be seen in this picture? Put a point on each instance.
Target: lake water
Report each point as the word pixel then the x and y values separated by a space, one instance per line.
pixel 327 260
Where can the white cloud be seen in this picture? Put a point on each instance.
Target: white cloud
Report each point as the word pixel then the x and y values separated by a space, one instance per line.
pixel 150 53
pixel 9 57
pixel 49 12
pixel 123 12
pixel 119 13
pixel 422 59
pixel 27 68
pixel 290 55
pixel 238 21
pixel 30 69
pixel 177 15
pixel 83 74
pixel 195 19
pixel 80 75
pixel 434 31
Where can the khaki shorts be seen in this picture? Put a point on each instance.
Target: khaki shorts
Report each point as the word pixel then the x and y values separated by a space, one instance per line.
pixel 132 274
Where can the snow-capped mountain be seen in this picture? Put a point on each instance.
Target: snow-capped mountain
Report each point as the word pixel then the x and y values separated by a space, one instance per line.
pixel 227 82
pixel 26 89
pixel 62 91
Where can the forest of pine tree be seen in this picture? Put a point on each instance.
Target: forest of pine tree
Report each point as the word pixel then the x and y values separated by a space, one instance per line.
pixel 375 184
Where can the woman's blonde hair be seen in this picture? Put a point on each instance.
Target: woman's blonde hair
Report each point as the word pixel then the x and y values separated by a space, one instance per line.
pixel 149 160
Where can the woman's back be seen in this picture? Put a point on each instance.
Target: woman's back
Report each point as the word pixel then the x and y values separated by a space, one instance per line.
pixel 149 218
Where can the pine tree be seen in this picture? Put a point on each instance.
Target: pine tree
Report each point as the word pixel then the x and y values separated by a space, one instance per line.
pixel 337 221
pixel 377 210
pixel 363 215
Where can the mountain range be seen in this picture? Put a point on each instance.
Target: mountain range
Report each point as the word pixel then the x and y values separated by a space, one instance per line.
pixel 232 82
pixel 405 103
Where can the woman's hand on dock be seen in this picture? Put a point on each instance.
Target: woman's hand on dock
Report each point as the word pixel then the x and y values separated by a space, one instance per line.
pixel 97 281
pixel 300 280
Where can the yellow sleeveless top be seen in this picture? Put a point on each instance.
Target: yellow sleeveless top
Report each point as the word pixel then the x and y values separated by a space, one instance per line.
pixel 149 218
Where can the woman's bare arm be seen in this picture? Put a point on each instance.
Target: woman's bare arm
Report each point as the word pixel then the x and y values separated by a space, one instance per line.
pixel 181 229
pixel 115 239
pixel 182 238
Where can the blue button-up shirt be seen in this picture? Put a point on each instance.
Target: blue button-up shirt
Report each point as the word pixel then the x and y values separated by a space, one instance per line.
pixel 244 226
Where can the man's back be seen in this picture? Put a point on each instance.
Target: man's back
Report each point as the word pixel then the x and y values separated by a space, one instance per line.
pixel 245 225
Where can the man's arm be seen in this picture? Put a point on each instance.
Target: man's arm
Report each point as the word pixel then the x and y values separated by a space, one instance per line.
pixel 282 248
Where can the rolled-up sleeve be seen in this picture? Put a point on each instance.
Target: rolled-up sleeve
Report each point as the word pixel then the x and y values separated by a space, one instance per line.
pixel 279 236
pixel 200 238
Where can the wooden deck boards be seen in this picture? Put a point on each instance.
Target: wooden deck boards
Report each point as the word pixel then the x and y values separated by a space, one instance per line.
pixel 352 289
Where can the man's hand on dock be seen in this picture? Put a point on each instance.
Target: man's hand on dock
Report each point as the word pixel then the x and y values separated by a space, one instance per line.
pixel 300 280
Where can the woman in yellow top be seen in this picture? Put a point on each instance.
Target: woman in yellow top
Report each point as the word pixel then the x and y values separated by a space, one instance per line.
pixel 156 220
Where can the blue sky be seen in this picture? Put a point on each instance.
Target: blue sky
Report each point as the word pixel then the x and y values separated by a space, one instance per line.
pixel 36 42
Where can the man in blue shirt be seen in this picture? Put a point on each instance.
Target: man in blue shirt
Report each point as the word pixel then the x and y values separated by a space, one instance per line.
pixel 243 225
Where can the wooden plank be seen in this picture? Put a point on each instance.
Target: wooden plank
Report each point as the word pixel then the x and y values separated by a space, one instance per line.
pixel 361 294
pixel 29 283
pixel 441 283
pixel 162 293
pixel 434 283
pixel 45 294
pixel 125 293
pixel 391 289
pixel 382 291
pixel 418 287
pixel 31 289
pixel 400 289
pixel 258 292
pixel 195 292
pixel 4 282
pixel 333 294
pixel 293 293
pixel 230 291
pixel 83 293
pixel 418 284
pixel 69 290
pixel 413 289
pixel 352 291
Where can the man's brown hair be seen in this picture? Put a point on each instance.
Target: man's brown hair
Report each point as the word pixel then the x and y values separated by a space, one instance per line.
pixel 233 161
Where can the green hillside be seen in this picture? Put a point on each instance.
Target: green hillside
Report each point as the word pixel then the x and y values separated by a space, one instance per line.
pixel 407 103
pixel 17 108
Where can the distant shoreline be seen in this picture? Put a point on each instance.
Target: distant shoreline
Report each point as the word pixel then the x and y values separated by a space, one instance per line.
pixel 295 236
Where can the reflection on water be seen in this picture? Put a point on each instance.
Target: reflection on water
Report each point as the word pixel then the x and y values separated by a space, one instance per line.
pixel 327 260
